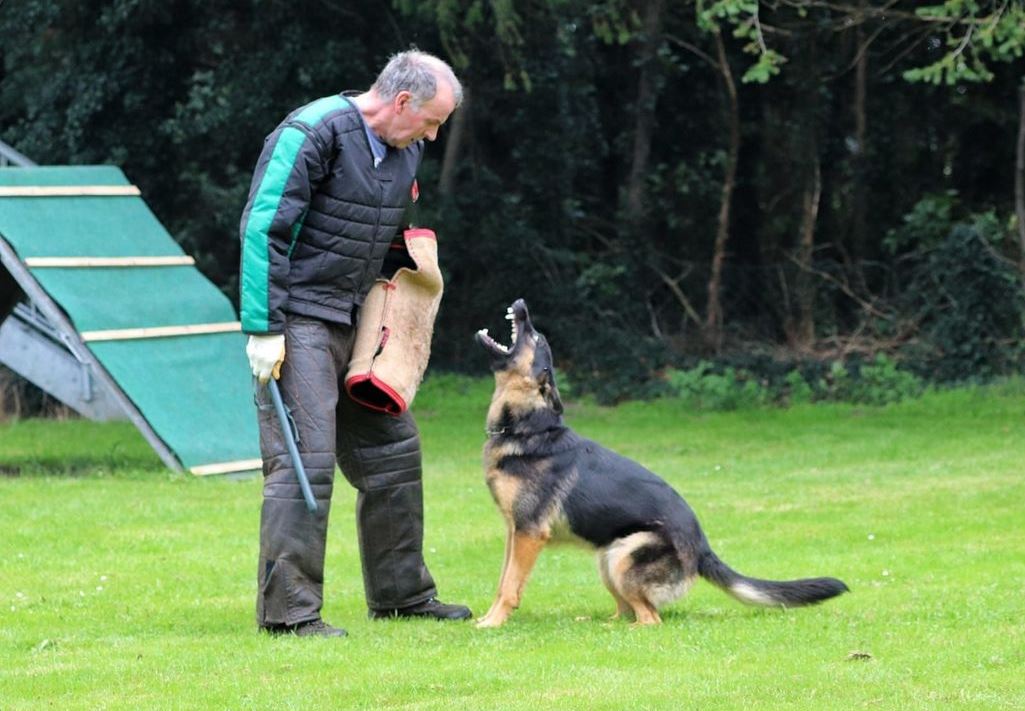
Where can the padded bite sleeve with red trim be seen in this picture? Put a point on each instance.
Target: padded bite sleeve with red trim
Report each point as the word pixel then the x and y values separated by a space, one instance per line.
pixel 396 324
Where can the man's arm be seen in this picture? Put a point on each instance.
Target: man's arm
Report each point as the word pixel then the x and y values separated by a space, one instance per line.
pixel 293 161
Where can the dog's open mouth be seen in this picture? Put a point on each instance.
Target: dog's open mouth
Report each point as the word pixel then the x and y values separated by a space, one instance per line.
pixel 516 315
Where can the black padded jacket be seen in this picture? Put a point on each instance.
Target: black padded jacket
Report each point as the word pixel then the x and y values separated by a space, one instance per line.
pixel 320 217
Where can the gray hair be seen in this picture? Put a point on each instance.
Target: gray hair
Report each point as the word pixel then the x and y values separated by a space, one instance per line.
pixel 416 72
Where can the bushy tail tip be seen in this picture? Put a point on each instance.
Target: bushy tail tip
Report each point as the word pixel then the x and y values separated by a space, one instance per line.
pixel 769 593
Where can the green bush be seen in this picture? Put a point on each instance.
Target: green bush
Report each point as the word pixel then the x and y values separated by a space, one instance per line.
pixel 970 306
pixel 798 388
pixel 710 386
pixel 925 225
pixel 963 294
pixel 706 389
pixel 879 382
pixel 882 382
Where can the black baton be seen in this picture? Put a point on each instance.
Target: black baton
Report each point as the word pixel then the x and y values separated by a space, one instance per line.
pixel 286 430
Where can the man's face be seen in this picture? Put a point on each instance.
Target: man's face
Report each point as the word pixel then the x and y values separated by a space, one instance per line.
pixel 410 124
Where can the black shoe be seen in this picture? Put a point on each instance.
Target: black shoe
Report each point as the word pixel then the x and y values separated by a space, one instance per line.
pixel 429 608
pixel 310 628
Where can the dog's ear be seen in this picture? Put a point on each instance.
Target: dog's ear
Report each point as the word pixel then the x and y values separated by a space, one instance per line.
pixel 550 391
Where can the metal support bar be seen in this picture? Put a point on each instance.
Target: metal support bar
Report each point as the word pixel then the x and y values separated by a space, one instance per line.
pixel 35 355
pixel 32 318
pixel 9 156
pixel 55 315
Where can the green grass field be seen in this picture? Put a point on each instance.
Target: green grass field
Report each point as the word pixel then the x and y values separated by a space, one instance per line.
pixel 125 586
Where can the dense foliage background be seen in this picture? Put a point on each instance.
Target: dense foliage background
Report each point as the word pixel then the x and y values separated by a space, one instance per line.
pixel 741 183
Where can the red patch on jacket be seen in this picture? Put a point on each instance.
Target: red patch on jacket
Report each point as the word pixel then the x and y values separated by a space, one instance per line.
pixel 414 192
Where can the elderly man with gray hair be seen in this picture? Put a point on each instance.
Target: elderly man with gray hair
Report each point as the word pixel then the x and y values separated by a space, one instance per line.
pixel 327 200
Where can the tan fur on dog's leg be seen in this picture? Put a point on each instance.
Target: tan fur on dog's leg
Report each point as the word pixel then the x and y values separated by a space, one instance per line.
pixel 646 613
pixel 505 567
pixel 524 553
pixel 627 587
pixel 623 608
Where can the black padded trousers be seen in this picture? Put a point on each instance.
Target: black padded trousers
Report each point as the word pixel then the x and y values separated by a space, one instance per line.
pixel 379 455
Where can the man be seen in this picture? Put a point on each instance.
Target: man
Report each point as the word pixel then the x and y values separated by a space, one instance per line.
pixel 328 195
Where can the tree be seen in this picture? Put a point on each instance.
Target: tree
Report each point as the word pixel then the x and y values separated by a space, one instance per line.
pixel 660 180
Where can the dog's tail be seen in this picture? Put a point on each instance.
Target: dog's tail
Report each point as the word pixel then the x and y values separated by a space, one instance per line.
pixel 767 593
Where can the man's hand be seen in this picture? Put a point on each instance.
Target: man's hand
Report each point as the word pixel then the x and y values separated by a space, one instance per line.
pixel 266 354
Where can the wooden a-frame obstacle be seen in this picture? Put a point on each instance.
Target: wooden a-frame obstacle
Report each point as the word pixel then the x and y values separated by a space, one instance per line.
pixel 101 309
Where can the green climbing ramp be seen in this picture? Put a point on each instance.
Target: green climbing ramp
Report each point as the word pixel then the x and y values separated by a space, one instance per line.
pixel 84 238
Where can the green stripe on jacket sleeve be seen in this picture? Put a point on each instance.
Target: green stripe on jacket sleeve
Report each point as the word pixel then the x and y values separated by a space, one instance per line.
pixel 312 114
pixel 258 277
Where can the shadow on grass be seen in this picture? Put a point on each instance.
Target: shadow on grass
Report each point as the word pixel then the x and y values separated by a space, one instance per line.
pixel 79 464
pixel 77 468
pixel 72 448
pixel 678 615
pixel 718 614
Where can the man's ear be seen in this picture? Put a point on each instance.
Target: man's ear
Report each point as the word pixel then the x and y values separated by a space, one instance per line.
pixel 402 100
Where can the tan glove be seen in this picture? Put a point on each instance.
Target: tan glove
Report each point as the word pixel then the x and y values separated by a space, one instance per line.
pixel 266 354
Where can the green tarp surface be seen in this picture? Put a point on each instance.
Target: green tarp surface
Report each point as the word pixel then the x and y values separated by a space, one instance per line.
pixel 195 391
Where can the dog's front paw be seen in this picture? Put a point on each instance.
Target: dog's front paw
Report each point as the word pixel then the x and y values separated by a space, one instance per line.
pixel 490 621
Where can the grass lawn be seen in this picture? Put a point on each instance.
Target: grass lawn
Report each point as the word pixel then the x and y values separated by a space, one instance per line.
pixel 123 585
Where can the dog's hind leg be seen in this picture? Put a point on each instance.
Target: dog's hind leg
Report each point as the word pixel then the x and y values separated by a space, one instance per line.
pixel 622 606
pixel 645 612
pixel 644 570
pixel 520 561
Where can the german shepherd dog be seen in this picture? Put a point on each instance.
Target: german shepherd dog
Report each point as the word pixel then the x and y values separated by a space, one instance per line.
pixel 548 482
